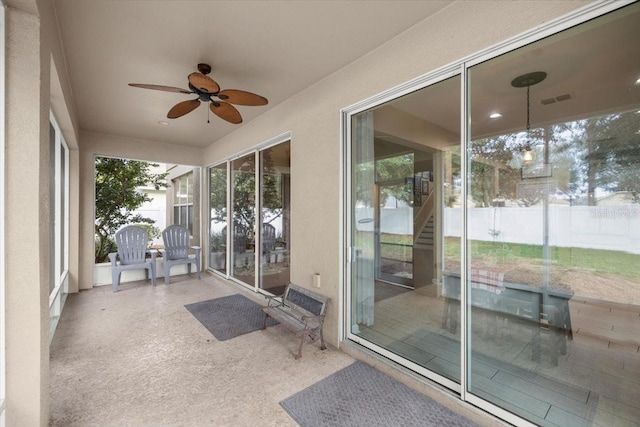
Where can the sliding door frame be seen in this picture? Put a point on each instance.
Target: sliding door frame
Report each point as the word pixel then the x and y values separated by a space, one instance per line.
pixel 461 68
pixel 255 150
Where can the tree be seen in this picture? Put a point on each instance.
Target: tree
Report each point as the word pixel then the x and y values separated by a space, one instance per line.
pixel 117 196
pixel 244 187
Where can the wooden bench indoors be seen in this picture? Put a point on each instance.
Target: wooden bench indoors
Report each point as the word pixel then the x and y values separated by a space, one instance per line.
pixel 299 310
pixel 542 310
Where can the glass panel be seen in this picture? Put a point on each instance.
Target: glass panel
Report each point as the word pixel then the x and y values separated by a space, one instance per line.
pixel 405 227
pixel 189 187
pixel 275 183
pixel 244 217
pixel 394 230
pixel 52 211
pixel 218 218
pixel 184 216
pixel 554 289
pixel 63 209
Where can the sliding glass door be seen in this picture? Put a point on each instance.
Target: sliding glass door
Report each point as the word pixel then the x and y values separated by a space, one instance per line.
pixel 243 218
pixel 275 191
pixel 512 220
pixel 218 211
pixel 399 220
pixel 553 225
pixel 245 198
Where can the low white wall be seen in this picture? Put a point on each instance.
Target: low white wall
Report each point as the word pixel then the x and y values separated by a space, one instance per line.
pixel 610 228
pixel 102 273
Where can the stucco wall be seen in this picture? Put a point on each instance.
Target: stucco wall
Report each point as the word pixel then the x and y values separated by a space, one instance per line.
pixel 461 29
pixel 27 221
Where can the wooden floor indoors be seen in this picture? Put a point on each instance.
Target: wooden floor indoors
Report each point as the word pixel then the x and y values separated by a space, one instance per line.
pixel 597 381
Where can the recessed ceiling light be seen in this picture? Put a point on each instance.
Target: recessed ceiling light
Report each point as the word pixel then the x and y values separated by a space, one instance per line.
pixel 163 122
pixel 494 115
pixel 638 81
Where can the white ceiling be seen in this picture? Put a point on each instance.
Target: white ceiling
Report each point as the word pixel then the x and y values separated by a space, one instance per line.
pixel 597 64
pixel 272 48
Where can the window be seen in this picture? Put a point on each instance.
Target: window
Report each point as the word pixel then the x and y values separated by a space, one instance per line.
pixel 183 201
pixel 59 220
pixel 2 183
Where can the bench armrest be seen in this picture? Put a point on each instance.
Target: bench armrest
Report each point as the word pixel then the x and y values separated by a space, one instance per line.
pixel 320 319
pixel 272 301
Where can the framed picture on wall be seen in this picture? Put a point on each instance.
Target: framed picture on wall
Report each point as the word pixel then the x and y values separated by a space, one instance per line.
pixel 424 186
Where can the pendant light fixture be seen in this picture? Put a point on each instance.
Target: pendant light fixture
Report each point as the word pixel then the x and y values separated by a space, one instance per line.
pixel 528 80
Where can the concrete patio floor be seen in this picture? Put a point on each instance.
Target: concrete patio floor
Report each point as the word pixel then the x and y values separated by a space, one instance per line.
pixel 137 357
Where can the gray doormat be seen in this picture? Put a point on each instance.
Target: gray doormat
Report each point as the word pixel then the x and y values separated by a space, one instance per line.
pixel 229 317
pixel 360 395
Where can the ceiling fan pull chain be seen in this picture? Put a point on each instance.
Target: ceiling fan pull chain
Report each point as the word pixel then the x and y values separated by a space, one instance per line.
pixel 208 115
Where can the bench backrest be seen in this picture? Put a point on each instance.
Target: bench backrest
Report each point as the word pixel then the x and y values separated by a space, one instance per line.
pixel 305 300
pixel 485 280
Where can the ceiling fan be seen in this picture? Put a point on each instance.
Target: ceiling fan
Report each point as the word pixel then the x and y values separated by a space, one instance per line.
pixel 208 91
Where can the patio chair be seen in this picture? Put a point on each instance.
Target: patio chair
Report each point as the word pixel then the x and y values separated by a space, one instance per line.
pixel 239 238
pixel 132 242
pixel 176 250
pixel 268 238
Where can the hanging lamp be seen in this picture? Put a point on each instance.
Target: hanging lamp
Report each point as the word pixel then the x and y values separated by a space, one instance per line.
pixel 528 80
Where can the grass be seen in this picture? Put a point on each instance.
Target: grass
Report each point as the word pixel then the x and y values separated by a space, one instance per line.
pixel 599 261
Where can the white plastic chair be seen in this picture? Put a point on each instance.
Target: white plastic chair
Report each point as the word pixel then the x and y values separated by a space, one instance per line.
pixel 133 242
pixel 176 250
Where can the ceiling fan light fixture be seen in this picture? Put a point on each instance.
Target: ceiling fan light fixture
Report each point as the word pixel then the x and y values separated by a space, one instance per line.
pixel 208 91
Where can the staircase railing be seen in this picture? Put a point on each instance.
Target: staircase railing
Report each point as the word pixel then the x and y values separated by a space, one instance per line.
pixel 421 218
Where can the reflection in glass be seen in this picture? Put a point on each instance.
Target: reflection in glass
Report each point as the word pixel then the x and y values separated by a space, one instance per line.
pixel 275 185
pixel 405 176
pixel 218 211
pixel 244 217
pixel 554 279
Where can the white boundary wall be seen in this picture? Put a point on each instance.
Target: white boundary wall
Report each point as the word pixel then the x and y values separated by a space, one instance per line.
pixel 596 227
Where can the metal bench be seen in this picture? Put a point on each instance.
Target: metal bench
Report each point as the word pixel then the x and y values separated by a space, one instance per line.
pixel 299 310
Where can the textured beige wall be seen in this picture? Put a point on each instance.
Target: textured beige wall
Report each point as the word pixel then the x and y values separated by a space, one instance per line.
pixel 96 144
pixel 27 221
pixel 461 29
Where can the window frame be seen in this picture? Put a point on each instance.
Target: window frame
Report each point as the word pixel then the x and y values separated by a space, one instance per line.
pixel 60 205
pixel 178 186
pixel 255 151
pixel 2 215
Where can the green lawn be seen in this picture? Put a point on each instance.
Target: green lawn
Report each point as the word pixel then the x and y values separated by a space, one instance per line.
pixel 607 262
pixel 612 263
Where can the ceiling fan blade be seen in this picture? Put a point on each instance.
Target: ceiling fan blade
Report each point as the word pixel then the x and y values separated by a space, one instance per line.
pixel 240 97
pixel 226 112
pixel 203 83
pixel 182 108
pixel 160 87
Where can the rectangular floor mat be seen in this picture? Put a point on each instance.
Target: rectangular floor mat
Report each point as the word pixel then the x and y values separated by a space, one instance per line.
pixel 229 317
pixel 360 395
